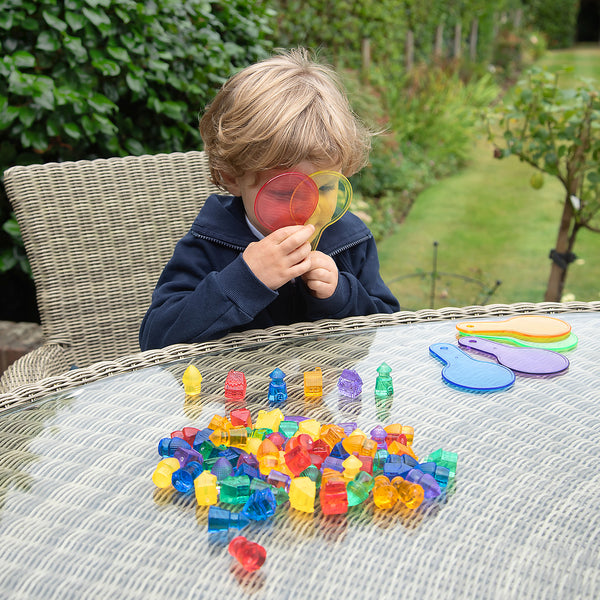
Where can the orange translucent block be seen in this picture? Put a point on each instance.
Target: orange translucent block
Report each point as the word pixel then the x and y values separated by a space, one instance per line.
pixel 192 381
pixel 219 422
pixel 310 427
pixel 205 488
pixel 399 449
pixel 385 495
pixel 268 462
pixel 164 471
pixel 269 419
pixel 360 445
pixel 536 328
pixel 303 491
pixel 313 383
pixel 352 465
pixel 410 494
pixel 267 447
pixel 235 436
pixel 332 434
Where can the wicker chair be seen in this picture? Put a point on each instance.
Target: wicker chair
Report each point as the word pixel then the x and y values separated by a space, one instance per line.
pixel 97 234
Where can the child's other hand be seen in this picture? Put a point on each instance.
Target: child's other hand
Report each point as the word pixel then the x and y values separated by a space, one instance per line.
pixel 280 256
pixel 322 278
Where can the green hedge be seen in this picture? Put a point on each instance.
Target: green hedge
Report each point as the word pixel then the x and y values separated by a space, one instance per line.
pixel 557 19
pixel 81 79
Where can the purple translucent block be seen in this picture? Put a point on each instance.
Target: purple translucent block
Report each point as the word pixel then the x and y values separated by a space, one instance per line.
pixel 278 479
pixel 350 384
pixel 222 468
pixel 248 459
pixel 378 434
pixel 187 455
pixel 333 463
pixel 295 418
pixel 440 474
pixel 430 486
pixel 348 427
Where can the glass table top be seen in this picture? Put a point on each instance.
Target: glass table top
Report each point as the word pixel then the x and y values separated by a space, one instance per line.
pixel 81 518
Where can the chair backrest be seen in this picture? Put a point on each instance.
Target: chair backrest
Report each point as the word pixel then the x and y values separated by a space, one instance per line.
pixel 97 234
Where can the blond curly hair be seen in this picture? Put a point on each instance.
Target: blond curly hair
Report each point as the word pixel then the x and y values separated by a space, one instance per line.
pixel 279 112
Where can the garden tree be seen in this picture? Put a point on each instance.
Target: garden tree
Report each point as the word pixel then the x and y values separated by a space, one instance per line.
pixel 556 131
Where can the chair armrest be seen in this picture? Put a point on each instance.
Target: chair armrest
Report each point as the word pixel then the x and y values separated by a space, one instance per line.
pixel 46 361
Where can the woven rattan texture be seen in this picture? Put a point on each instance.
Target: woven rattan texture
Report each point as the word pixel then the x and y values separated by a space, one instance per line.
pixel 80 518
pixel 97 234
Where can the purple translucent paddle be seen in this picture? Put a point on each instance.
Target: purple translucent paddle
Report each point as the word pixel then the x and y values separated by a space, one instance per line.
pixel 529 361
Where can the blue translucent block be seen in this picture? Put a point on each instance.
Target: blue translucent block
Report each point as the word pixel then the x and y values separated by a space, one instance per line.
pixel 222 468
pixel 396 469
pixel 260 505
pixel 338 451
pixel 231 454
pixel 201 437
pixel 406 459
pixel 221 519
pixel 167 446
pixel 187 455
pixel 183 479
pixel 331 462
pixel 427 482
pixel 277 387
pixel 245 469
pixel 440 474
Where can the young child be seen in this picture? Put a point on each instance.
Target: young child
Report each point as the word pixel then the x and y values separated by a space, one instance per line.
pixel 286 113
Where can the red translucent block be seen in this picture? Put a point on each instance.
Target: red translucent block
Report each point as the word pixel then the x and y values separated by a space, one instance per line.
pixel 302 439
pixel 297 460
pixel 189 434
pixel 333 496
pixel 240 417
pixel 235 385
pixel 249 554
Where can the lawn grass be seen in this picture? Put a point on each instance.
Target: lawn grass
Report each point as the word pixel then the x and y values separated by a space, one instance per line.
pixel 490 224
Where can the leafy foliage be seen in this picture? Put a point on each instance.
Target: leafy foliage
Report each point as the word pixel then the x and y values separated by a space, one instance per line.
pixel 556 18
pixel 556 131
pixel 81 79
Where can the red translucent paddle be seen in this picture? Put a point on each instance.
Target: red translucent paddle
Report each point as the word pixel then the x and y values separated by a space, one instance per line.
pixel 286 199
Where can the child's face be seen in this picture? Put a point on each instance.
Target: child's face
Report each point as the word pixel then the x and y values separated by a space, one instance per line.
pixel 248 185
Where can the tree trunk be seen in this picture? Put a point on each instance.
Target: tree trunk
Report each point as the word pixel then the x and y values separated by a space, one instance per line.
pixel 564 243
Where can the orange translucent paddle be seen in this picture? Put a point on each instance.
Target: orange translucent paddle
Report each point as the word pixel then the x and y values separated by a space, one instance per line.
pixel 536 328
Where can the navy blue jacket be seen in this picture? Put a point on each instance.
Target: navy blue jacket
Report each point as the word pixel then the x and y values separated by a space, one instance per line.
pixel 207 290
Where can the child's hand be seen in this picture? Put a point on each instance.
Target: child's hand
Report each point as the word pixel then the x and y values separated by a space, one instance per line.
pixel 322 278
pixel 281 256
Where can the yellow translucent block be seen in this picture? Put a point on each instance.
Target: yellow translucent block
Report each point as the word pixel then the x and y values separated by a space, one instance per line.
pixel 385 495
pixel 219 422
pixel 368 448
pixel 313 383
pixel 352 466
pixel 269 419
pixel 410 494
pixel 409 432
pixel 332 434
pixel 192 381
pixel 302 494
pixel 252 445
pixel 164 471
pixel 205 487
pixel 397 448
pixel 311 427
pixel 235 436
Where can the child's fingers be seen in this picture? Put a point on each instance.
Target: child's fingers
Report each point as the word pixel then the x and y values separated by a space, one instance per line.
pixel 293 235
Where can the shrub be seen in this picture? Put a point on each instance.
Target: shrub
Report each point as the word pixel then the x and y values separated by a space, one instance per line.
pixel 81 79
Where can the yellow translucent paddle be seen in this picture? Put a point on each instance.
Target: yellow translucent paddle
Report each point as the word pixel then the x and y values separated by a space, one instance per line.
pixel 335 196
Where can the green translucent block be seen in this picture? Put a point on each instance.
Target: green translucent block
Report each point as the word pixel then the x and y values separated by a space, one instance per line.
pixel 261 433
pixel 445 458
pixel 281 496
pixel 288 428
pixel 206 449
pixel 384 387
pixel 258 484
pixel 312 473
pixel 380 457
pixel 359 488
pixel 235 490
